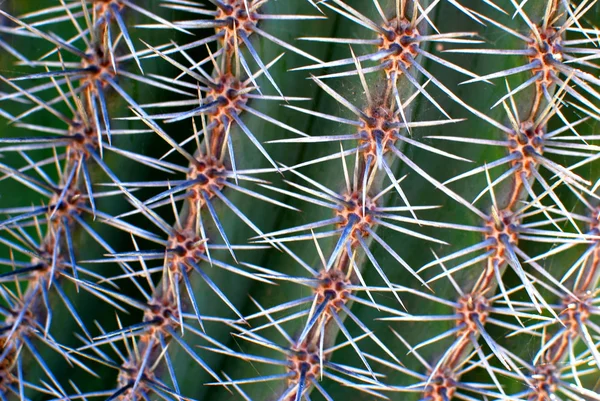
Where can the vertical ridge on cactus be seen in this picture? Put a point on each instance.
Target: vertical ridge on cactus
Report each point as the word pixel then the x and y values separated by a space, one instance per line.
pixel 299 200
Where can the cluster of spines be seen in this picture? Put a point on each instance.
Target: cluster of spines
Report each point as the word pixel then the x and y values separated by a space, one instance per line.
pixel 28 314
pixel 527 142
pixel 503 226
pixel 354 223
pixel 356 212
pixel 210 170
pixel 88 134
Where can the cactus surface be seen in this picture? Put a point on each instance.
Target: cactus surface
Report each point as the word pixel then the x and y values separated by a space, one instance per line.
pixel 300 200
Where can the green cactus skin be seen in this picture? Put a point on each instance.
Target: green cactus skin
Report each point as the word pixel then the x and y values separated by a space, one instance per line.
pixel 550 285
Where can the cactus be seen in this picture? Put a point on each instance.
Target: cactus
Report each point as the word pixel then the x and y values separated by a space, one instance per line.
pixel 301 199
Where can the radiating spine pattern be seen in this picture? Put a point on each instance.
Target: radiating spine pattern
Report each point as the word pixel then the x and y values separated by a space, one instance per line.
pixel 296 200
